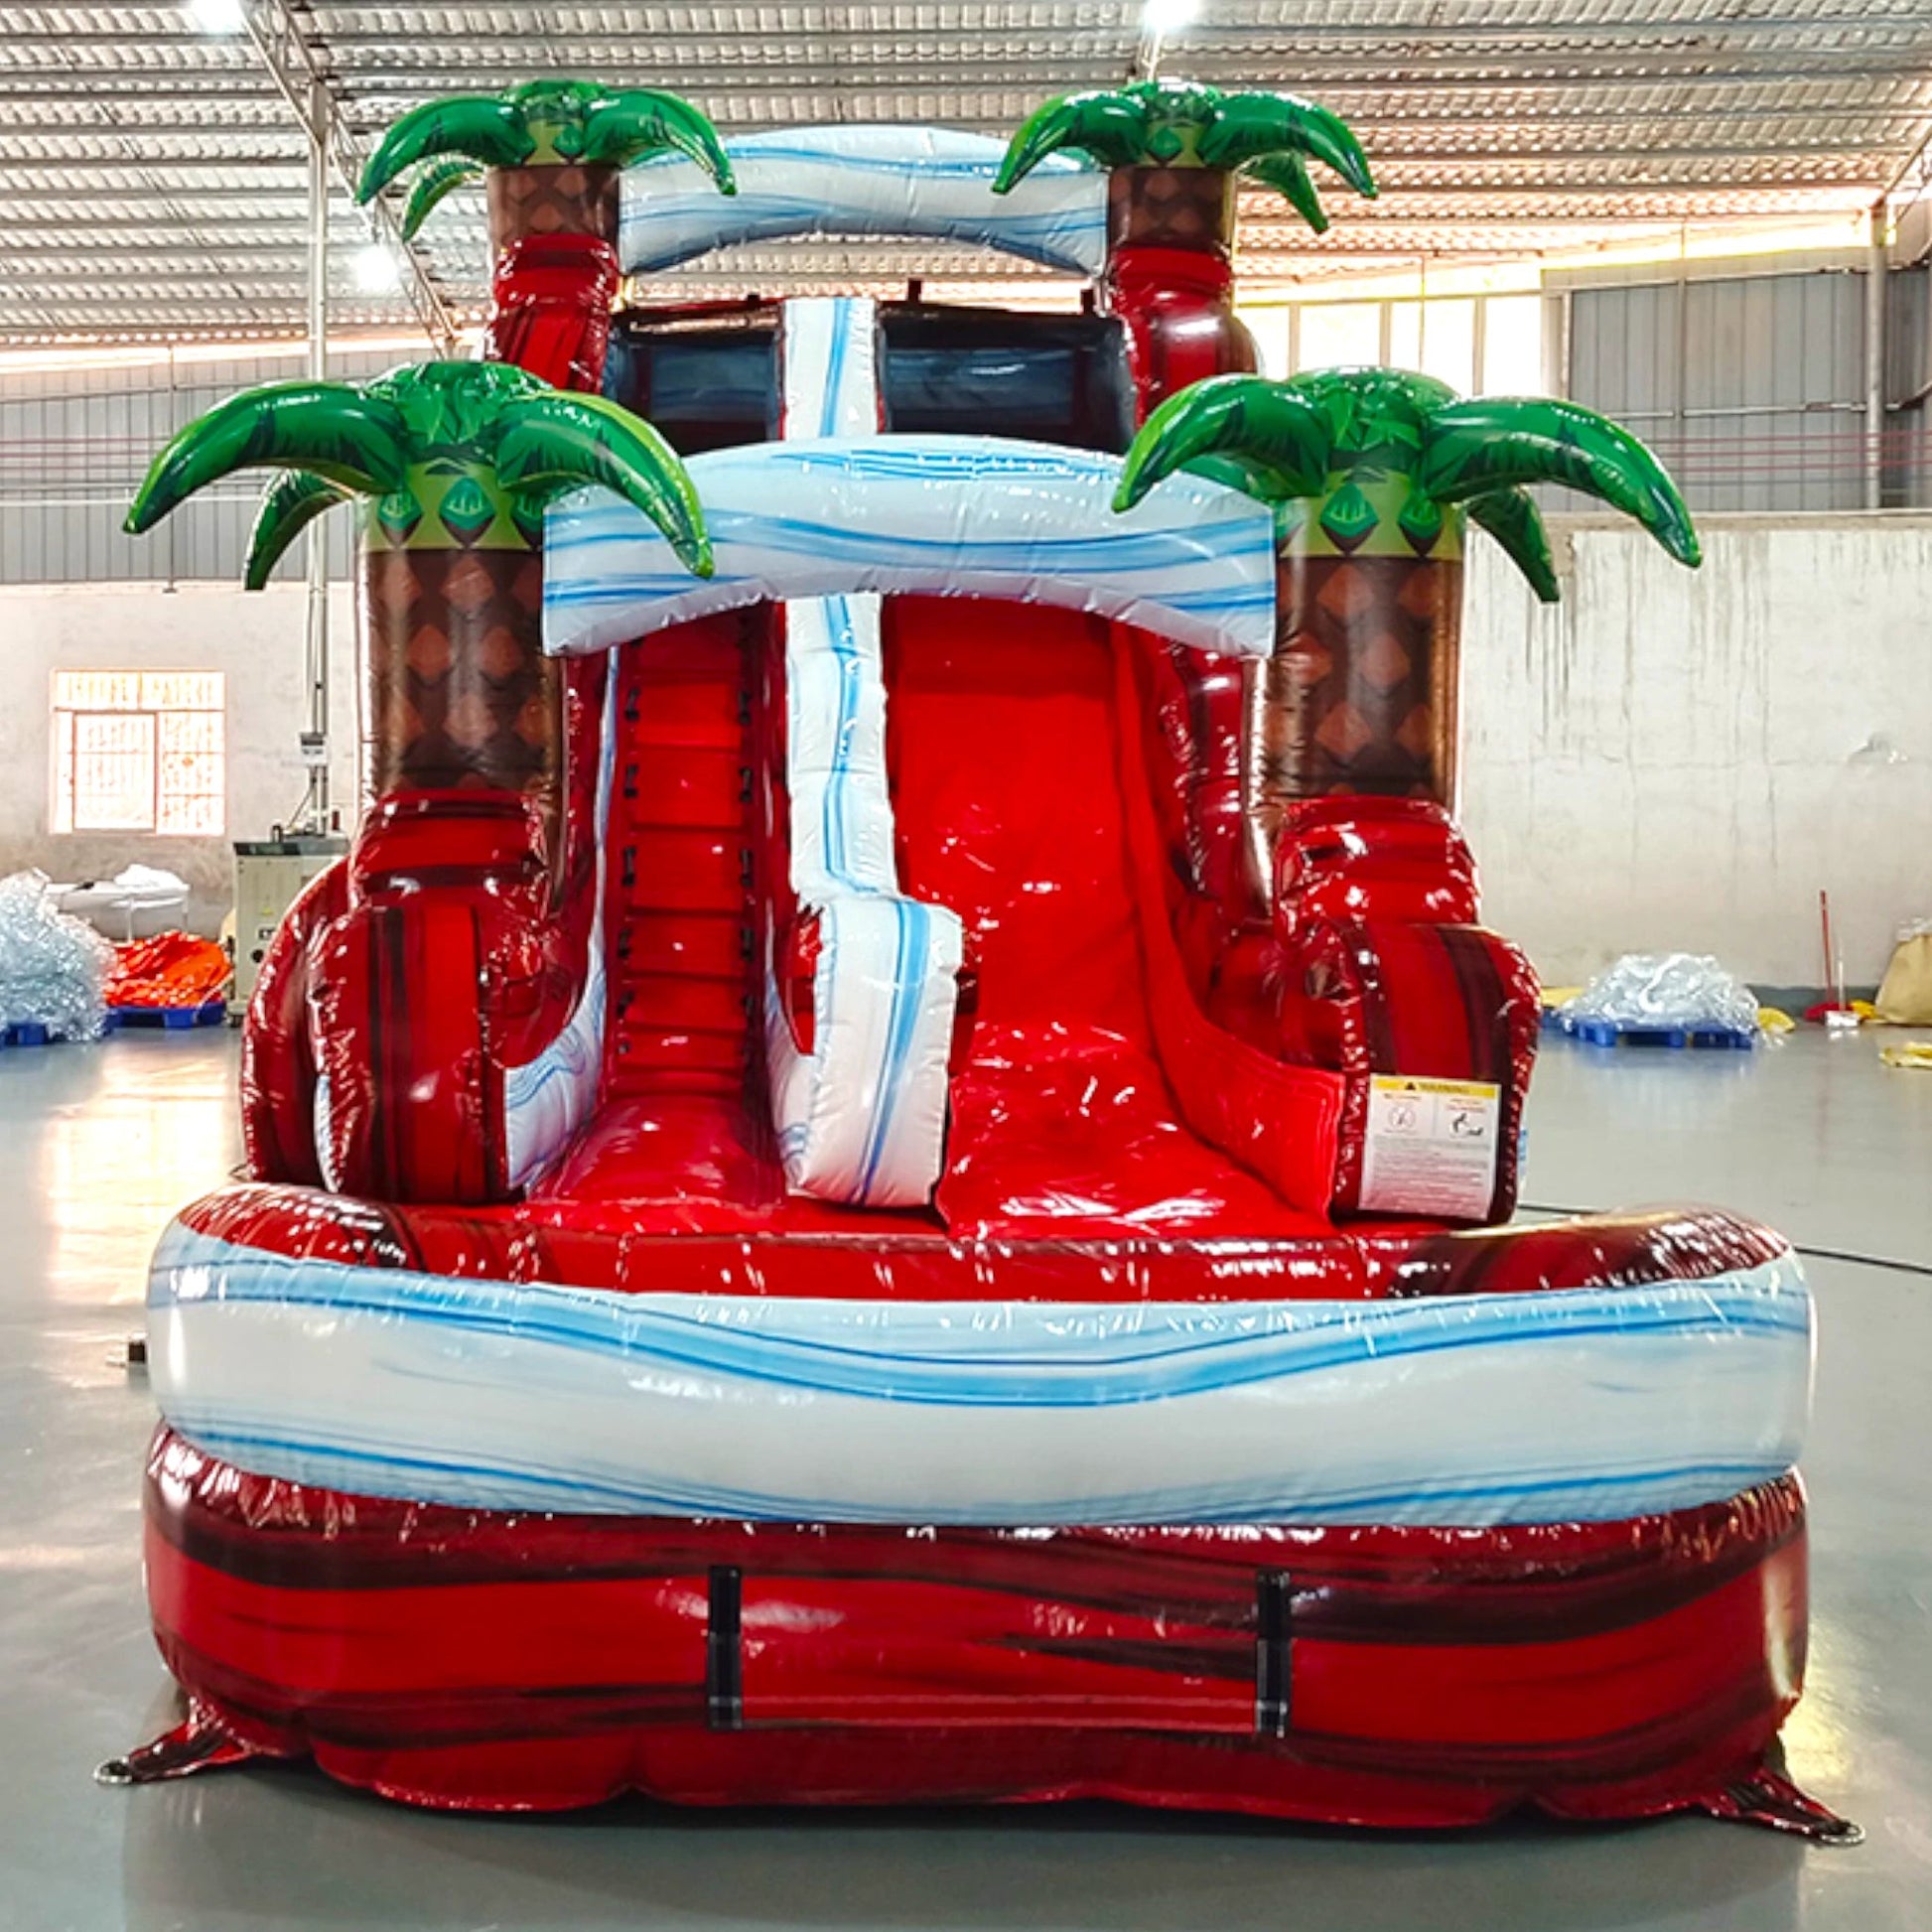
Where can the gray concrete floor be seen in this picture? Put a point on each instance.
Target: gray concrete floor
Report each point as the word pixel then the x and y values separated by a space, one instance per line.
pixel 97 1146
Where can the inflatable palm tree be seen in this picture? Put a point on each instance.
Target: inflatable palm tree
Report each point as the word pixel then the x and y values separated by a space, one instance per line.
pixel 1174 152
pixel 550 151
pixel 1178 127
pixel 454 461
pixel 1374 473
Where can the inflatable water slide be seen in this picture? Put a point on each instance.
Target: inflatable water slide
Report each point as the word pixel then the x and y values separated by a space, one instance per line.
pixel 887 1173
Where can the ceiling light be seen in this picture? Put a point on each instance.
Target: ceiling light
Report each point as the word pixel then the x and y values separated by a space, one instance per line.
pixel 1165 16
pixel 377 271
pixel 217 15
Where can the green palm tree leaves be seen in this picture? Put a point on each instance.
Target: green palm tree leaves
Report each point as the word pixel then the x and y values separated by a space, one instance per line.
pixel 1111 127
pixel 1349 518
pixel 554 442
pixel 1273 438
pixel 1287 174
pixel 351 437
pixel 1495 441
pixel 1377 418
pixel 553 111
pixel 1176 124
pixel 1513 519
pixel 434 184
pixel 1388 451
pixel 290 503
pixel 483 444
pixel 490 133
pixel 467 511
pixel 543 123
pixel 624 126
pixel 1247 128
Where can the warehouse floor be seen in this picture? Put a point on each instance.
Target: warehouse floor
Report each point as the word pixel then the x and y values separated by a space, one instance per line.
pixel 97 1145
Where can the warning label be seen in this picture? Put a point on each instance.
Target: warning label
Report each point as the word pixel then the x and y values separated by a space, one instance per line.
pixel 1432 1147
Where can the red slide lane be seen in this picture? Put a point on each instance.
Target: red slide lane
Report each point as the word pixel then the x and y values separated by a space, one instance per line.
pixel 1010 779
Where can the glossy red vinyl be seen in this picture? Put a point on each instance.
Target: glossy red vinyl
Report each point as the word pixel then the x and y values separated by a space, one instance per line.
pixel 1386 1675
pixel 454 940
pixel 1158 1093
pixel 551 308
pixel 278 1064
pixel 1179 307
pixel 685 1239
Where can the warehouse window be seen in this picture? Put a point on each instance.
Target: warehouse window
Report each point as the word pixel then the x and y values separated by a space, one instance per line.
pixel 1476 343
pixel 140 752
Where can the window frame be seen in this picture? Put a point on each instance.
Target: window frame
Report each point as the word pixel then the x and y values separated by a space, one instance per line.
pixel 67 723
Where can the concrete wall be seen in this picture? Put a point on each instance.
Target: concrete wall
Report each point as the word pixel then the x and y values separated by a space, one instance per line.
pixel 255 639
pixel 1678 760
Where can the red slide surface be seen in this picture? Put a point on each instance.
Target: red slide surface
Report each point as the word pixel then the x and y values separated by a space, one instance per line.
pixel 1013 780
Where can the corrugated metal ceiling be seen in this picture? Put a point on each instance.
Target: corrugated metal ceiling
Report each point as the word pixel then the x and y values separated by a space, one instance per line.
pixel 152 177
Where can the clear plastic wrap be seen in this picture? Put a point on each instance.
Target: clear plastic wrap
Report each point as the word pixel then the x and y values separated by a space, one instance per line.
pixel 1671 989
pixel 52 965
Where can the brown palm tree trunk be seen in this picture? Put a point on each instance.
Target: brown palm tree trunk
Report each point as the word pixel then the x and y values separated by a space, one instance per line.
pixel 553 235
pixel 461 696
pixel 1171 277
pixel 1360 694
pixel 565 199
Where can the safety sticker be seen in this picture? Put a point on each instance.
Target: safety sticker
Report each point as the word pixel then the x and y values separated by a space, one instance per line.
pixel 1432 1147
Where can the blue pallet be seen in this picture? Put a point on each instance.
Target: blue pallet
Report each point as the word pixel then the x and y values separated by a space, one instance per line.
pixel 29 1032
pixel 1610 1033
pixel 176 1018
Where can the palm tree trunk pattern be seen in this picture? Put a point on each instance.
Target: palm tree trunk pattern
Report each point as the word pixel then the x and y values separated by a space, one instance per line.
pixel 461 693
pixel 1360 694
pixel 1170 276
pixel 559 199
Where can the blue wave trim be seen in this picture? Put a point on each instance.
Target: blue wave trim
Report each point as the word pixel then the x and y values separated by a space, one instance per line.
pixel 726 588
pixel 1130 554
pixel 660 227
pixel 915 162
pixel 1195 1348
pixel 1127 552
pixel 912 921
pixel 1604 1496
pixel 844 641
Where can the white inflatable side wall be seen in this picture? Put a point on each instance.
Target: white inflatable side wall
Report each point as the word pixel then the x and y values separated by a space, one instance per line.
pixel 862 1118
pixel 1468 1410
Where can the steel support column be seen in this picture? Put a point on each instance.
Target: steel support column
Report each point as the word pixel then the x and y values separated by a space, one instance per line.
pixel 299 74
pixel 1876 276
pixel 315 738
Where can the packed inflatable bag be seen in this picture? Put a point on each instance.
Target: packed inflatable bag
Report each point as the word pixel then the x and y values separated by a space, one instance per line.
pixel 1905 994
pixel 173 969
pixel 1674 989
pixel 52 965
pixel 885 1173
pixel 137 896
